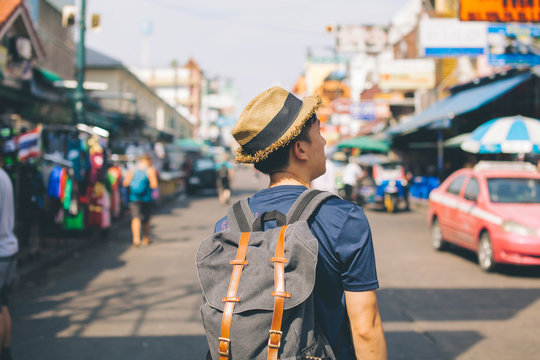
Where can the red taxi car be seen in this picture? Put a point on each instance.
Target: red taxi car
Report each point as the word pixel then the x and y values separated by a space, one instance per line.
pixel 493 209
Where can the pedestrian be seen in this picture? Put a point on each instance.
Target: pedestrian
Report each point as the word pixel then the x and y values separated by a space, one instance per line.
pixel 327 181
pixel 351 175
pixel 9 247
pixel 280 135
pixel 224 176
pixel 141 180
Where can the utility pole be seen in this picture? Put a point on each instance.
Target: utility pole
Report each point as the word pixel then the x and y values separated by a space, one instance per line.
pixel 80 66
pixel 174 65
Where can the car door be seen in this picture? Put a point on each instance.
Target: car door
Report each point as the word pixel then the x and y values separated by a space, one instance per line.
pixel 448 215
pixel 467 222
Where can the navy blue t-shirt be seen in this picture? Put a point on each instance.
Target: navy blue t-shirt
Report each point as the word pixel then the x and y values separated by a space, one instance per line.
pixel 346 259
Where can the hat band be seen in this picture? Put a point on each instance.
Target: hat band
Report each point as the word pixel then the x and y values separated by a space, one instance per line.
pixel 276 127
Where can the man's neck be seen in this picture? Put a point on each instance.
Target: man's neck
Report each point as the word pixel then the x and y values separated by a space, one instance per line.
pixel 288 178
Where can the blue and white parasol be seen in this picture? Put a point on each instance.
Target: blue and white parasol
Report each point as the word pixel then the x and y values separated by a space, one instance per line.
pixel 510 135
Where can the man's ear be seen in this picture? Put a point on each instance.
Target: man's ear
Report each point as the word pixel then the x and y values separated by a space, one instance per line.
pixel 300 150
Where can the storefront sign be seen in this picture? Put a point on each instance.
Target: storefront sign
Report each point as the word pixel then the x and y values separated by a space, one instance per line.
pixel 341 106
pixel 450 38
pixel 513 44
pixel 407 74
pixel 389 98
pixel 3 57
pixel 364 110
pixel 500 10
pixel 361 39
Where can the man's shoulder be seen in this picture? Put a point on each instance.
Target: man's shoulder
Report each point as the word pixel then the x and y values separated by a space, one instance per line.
pixel 339 206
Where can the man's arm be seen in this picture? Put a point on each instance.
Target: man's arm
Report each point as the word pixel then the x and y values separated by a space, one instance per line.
pixel 127 179
pixel 152 177
pixel 366 325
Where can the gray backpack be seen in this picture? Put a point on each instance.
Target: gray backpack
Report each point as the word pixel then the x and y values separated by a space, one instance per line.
pixel 265 309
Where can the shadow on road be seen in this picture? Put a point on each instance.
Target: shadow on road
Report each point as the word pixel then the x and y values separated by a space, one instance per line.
pixel 192 347
pixel 503 269
pixel 410 345
pixel 406 306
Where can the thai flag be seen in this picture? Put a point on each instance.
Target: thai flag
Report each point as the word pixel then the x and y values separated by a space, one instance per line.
pixel 29 144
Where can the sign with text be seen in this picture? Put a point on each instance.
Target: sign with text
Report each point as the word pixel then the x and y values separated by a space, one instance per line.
pixel 513 44
pixel 361 39
pixel 500 10
pixel 451 38
pixel 407 74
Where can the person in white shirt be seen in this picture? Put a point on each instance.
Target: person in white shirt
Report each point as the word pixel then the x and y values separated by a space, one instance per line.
pixel 9 247
pixel 351 174
pixel 327 181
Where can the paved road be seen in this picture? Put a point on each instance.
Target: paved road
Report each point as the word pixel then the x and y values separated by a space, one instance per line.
pixel 112 301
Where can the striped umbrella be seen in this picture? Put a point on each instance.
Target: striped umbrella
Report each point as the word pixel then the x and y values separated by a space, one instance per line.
pixel 510 135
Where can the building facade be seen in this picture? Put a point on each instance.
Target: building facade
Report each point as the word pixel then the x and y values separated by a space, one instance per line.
pixel 128 94
pixel 180 86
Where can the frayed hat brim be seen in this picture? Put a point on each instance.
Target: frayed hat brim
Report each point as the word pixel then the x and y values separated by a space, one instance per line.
pixel 294 130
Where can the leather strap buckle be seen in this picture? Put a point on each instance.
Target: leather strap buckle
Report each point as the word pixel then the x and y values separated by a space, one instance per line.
pixel 275 335
pixel 238 262
pixel 223 348
pixel 282 294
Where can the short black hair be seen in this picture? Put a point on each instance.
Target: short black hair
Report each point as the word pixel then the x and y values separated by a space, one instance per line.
pixel 279 159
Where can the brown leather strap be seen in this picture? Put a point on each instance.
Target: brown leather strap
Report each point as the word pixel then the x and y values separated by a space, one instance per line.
pixel 274 340
pixel 231 298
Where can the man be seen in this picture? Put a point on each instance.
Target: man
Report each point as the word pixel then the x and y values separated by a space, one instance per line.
pixel 351 174
pixel 327 181
pixel 280 135
pixel 8 252
pixel 224 177
pixel 142 180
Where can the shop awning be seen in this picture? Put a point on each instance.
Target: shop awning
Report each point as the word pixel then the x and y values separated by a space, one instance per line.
pixel 364 143
pixel 48 75
pixel 440 114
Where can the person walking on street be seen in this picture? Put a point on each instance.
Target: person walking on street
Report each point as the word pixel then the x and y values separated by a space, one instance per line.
pixel 224 177
pixel 280 135
pixel 141 180
pixel 351 175
pixel 9 247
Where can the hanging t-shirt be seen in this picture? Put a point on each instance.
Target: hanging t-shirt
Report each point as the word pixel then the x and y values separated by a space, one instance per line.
pixel 54 182
pixel 96 163
pixel 346 257
pixel 8 241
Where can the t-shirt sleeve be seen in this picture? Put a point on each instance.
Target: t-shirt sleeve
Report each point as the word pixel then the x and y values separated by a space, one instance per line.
pixel 221 225
pixel 354 249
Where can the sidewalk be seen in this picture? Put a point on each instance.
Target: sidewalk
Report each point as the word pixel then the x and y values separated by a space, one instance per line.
pixel 73 246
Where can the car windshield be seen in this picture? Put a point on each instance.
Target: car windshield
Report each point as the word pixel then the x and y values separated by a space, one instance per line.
pixel 514 190
pixel 203 164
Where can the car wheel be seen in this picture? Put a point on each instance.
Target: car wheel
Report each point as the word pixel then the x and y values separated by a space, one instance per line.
pixel 485 253
pixel 437 240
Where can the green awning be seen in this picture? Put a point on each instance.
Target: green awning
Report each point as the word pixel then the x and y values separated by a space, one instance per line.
pixel 365 143
pixel 49 75
pixel 189 143
pixel 97 119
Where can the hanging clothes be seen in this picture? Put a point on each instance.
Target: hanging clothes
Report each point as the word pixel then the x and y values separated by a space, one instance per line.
pixel 99 208
pixel 97 159
pixel 54 181
pixel 114 175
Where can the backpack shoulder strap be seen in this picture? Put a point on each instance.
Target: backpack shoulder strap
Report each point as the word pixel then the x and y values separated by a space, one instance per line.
pixel 240 216
pixel 307 204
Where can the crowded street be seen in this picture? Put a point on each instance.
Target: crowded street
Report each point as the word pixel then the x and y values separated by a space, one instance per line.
pixel 279 180
pixel 110 300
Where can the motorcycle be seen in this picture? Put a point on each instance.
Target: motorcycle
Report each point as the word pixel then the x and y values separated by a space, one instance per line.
pixel 391 183
pixel 391 193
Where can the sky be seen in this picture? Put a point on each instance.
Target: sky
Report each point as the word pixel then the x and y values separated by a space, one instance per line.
pixel 254 43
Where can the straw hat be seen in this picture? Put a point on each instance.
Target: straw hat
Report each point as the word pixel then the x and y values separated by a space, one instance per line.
pixel 270 121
